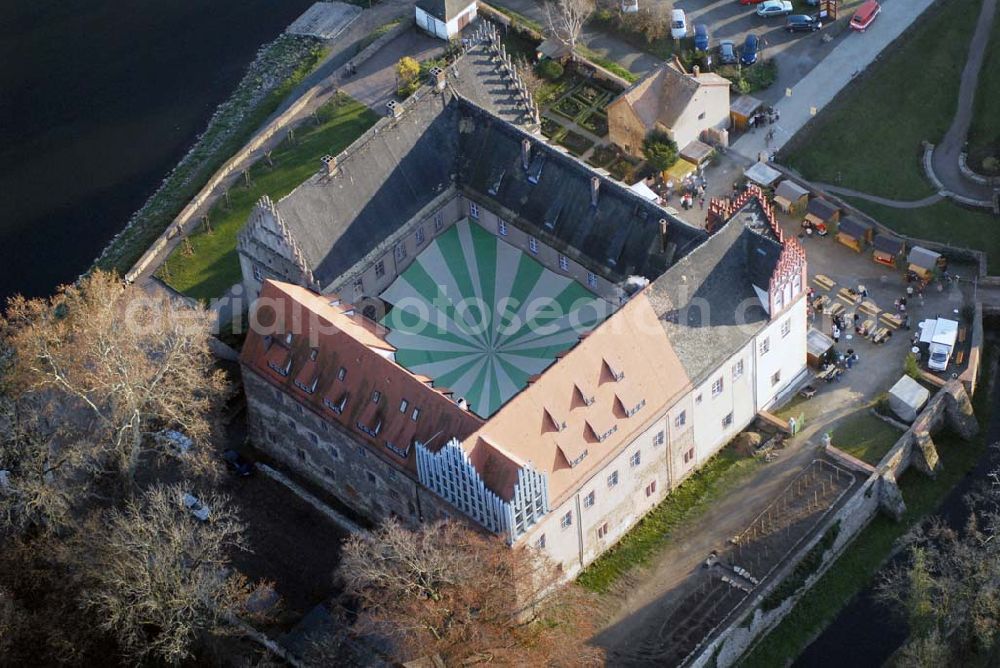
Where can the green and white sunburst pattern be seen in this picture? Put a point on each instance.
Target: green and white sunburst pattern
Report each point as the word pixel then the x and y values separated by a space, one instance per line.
pixel 480 317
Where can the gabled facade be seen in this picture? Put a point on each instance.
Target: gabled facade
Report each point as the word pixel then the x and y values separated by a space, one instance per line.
pixel 444 18
pixel 669 100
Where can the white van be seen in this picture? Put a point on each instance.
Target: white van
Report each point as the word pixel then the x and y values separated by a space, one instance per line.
pixel 678 24
pixel 940 336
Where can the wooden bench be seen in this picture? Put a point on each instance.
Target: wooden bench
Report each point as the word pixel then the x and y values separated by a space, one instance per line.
pixel 835 310
pixel 870 307
pixel 821 303
pixel 824 282
pixel 880 335
pixel 891 320
pixel 847 296
pixel 960 357
pixel 961 334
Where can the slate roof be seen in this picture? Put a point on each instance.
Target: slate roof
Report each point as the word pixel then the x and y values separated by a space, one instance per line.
pixel 854 227
pixel 888 244
pixel 821 208
pixel 619 237
pixel 401 165
pixel 705 301
pixel 923 257
pixel 444 10
pixel 790 190
pixel 478 79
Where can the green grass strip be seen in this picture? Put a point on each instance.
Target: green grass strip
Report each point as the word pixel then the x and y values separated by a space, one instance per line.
pixel 213 266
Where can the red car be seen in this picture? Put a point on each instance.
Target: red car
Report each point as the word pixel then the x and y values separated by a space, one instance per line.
pixel 751 2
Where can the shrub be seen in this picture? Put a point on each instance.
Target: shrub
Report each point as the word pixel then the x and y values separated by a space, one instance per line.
pixel 660 151
pixel 408 75
pixel 549 69
pixel 991 165
pixel 911 368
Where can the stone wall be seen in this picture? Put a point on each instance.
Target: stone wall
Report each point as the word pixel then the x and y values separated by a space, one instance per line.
pixel 749 623
pixel 320 450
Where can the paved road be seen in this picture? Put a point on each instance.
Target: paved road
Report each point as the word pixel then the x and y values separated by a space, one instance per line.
pixel 852 54
pixel 945 158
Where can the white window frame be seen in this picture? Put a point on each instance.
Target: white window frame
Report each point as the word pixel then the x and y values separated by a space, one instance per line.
pixel 501 227
pixel 786 327
pixel 563 262
pixel 591 279
pixel 680 419
pixel 635 459
pixel 765 346
pixel 533 245
pixel 718 386
pixel 738 370
pixel 258 274
pixel 613 479
pixel 567 520
pixel 588 501
pixel 473 210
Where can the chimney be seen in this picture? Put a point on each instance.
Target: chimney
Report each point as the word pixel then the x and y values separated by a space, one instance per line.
pixel 438 76
pixel 329 164
pixel 595 186
pixel 525 153
pixel 695 71
pixel 663 235
pixel 395 108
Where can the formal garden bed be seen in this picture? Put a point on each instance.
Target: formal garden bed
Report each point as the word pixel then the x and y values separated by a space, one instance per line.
pixel 575 142
pixel 596 122
pixel 551 127
pixel 623 169
pixel 602 156
pixel 568 107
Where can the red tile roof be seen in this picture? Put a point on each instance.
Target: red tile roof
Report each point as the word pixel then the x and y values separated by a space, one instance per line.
pixel 343 339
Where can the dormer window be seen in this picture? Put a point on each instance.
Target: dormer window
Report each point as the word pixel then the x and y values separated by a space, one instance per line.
pixel 376 397
pixel 288 339
pixel 313 354
pixel 336 406
pixel 415 414
pixel 268 340
pixel 342 373
pixel 403 405
pixel 556 422
pixel 308 387
pixel 585 394
pixel 616 372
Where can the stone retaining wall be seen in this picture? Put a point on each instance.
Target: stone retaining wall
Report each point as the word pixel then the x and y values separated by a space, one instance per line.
pixel 968 173
pixel 879 491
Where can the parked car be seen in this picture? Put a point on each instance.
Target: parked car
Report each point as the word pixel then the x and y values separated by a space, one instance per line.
pixel 236 463
pixel 751 46
pixel 196 507
pixel 812 3
pixel 632 6
pixel 727 53
pixel 678 24
pixel 865 15
pixel 803 23
pixel 701 37
pixel 751 2
pixel 770 8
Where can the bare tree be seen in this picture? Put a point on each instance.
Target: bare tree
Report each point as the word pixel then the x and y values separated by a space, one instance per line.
pixel 453 592
pixel 565 18
pixel 949 590
pixel 159 578
pixel 111 366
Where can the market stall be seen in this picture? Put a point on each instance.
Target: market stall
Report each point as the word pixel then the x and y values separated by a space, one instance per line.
pixel 907 398
pixel 887 249
pixel 790 196
pixel 820 215
pixel 923 262
pixel 855 233
pixel 742 109
pixel 818 345
pixel 762 174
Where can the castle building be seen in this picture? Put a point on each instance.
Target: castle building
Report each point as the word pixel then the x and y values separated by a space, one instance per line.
pixel 459 320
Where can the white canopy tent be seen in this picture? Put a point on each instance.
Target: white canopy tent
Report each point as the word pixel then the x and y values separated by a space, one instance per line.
pixel 644 191
pixel 763 174
pixel 907 398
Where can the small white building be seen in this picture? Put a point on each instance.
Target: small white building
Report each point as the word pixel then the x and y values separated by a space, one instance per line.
pixel 445 18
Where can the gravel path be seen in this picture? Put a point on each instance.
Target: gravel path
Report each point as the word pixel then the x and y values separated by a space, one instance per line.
pixel 894 203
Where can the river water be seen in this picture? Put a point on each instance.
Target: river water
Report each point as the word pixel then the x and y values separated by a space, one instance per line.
pixel 98 100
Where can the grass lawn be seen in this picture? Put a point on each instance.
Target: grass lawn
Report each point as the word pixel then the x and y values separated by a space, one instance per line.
pixel 213 266
pixel 865 436
pixel 945 222
pixel 984 133
pixel 859 563
pixel 869 137
pixel 655 530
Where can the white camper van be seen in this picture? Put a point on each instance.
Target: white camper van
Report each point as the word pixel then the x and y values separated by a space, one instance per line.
pixel 940 336
pixel 678 24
